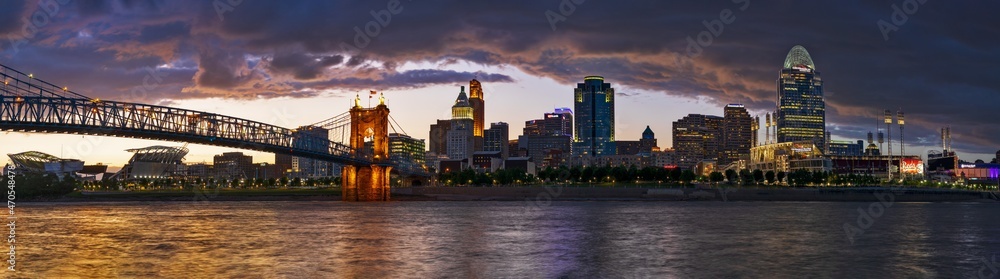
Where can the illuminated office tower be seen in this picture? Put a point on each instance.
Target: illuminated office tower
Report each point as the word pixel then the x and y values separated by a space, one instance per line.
pixel 478 113
pixel 594 103
pixel 801 114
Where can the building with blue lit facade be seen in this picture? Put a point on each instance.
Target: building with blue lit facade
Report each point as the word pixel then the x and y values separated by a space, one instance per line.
pixel 594 130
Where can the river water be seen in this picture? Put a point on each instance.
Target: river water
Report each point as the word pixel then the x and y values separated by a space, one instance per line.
pixel 417 239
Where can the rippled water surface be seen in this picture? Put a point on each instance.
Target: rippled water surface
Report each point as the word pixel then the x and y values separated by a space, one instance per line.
pixel 503 240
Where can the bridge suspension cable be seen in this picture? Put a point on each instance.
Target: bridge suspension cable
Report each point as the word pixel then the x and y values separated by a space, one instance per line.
pixel 334 121
pixel 17 83
pixel 393 124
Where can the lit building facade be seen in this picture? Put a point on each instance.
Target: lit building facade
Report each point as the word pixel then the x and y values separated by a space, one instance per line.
pixel 487 161
pixel 846 148
pixel 979 173
pixel 558 123
pixel 696 138
pixel 801 111
pixel 664 159
pixel 594 130
pixel 461 137
pixel 737 134
pixel 478 113
pixel 495 138
pixel 153 162
pixel 34 161
pixel 233 165
pixel 540 147
pixel 786 156
pixel 305 167
pixel 406 152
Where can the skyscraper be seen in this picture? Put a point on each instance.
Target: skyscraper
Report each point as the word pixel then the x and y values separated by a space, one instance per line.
pixel 801 113
pixel 478 112
pixel 461 139
pixel 696 138
pixel 557 123
pixel 594 103
pixel 737 134
pixel 495 138
pixel 438 138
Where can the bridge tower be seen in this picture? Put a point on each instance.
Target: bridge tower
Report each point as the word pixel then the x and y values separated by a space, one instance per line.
pixel 368 182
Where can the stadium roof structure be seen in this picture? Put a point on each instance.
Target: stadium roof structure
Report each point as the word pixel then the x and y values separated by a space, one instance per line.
pixel 35 161
pixel 158 154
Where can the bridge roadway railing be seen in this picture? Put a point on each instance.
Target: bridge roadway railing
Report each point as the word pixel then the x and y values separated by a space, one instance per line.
pixel 120 119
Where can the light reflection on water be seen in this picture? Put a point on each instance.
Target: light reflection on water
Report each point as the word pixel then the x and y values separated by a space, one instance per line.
pixel 500 240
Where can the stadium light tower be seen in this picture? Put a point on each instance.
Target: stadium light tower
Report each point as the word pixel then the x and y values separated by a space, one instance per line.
pixel 888 130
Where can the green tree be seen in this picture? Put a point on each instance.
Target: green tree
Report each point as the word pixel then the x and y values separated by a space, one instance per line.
pixel 587 174
pixel 731 176
pixel 818 177
pixel 745 177
pixel 781 176
pixel 758 176
pixel 574 173
pixel 632 173
pixel 715 177
pixel 769 176
pixel 675 174
pixel 800 177
pixel 687 176
pixel 619 173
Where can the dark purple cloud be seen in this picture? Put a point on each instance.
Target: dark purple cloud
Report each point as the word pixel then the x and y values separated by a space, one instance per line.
pixel 939 66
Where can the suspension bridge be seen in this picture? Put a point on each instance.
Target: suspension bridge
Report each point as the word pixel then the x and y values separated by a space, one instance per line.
pixel 356 139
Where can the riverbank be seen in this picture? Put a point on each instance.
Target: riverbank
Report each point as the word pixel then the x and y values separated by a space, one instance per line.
pixel 319 194
pixel 554 193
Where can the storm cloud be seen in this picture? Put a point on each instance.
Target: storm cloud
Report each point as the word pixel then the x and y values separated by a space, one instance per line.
pixel 939 65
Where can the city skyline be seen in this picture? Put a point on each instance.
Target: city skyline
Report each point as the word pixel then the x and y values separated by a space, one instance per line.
pixel 183 78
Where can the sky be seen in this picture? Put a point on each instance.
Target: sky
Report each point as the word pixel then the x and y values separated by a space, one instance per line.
pixel 293 63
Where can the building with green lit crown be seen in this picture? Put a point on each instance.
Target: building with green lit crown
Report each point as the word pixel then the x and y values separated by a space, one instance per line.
pixel 801 111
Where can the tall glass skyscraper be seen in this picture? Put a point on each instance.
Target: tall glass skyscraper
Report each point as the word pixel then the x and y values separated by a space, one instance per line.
pixel 801 114
pixel 594 103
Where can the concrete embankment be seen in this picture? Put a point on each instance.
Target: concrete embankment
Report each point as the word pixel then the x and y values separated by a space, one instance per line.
pixel 556 192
